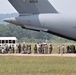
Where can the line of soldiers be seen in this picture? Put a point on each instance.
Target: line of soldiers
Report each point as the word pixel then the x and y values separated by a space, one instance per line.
pixel 43 49
pixel 15 49
pixel 67 49
pixel 38 49
pixel 24 49
pixel 7 49
pixel 71 49
pixel 61 49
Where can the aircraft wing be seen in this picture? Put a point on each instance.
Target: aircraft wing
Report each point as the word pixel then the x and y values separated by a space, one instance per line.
pixel 33 6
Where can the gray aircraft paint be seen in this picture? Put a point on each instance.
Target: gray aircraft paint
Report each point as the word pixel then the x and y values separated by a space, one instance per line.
pixel 45 18
pixel 62 24
pixel 23 6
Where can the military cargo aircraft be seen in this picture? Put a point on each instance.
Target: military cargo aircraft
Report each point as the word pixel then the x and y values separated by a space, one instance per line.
pixel 40 15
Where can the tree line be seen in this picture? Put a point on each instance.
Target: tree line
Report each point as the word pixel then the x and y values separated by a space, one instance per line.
pixel 11 30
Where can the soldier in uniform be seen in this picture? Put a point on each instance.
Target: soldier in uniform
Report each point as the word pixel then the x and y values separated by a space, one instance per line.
pixel 58 49
pixel 73 48
pixel 46 49
pixel 63 49
pixel 13 50
pixel 16 49
pixel 40 49
pixel 23 48
pixel 35 49
pixel 50 49
pixel 10 48
pixel 19 48
pixel 29 49
pixel 7 49
pixel 68 48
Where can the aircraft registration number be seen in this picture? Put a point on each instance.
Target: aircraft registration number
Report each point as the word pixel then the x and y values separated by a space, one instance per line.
pixel 33 1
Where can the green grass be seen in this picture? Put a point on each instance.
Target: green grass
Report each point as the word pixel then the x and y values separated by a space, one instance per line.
pixel 37 65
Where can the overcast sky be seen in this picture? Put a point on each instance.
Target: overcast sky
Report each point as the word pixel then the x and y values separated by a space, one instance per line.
pixel 63 6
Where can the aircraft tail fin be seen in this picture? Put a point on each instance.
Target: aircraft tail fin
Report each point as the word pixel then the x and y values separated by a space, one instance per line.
pixel 33 6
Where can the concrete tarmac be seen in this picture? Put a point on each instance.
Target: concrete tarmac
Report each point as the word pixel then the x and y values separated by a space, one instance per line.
pixel 38 55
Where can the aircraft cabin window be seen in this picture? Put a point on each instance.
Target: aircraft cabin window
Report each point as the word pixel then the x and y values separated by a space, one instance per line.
pixel 33 1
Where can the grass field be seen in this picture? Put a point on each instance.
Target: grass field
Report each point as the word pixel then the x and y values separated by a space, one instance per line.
pixel 37 65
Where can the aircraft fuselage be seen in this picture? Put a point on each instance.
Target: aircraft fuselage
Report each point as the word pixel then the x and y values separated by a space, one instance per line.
pixel 60 24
